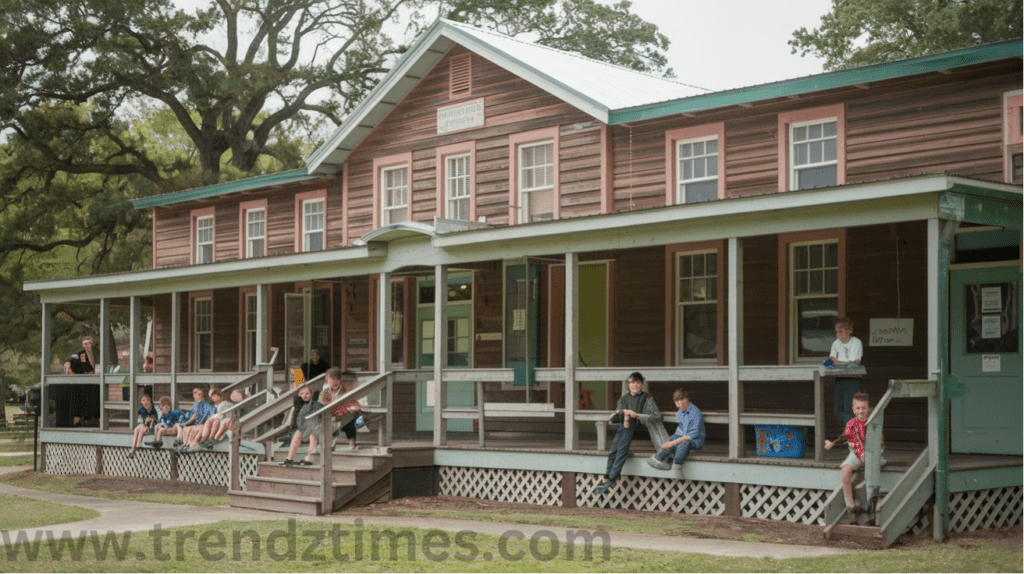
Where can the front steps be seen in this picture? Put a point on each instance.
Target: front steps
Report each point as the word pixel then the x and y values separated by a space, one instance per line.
pixel 358 477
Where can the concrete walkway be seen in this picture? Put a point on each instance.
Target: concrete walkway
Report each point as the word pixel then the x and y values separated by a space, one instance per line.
pixel 128 516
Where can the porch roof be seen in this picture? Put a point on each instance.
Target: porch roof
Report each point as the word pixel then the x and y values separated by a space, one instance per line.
pixel 906 199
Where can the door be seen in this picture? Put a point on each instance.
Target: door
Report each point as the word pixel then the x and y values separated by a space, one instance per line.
pixel 985 361
pixel 520 321
pixel 305 327
pixel 460 348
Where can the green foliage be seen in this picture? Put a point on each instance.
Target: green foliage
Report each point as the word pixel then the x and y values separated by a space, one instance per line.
pixel 861 32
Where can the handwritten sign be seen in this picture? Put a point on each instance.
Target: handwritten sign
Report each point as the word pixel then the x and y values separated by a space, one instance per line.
pixel 460 116
pixel 891 333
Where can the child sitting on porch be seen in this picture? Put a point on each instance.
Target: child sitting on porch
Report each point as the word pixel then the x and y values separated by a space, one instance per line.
pixel 203 432
pixel 338 383
pixel 630 410
pixel 221 424
pixel 854 435
pixel 148 417
pixel 689 433
pixel 201 410
pixel 168 423
pixel 304 425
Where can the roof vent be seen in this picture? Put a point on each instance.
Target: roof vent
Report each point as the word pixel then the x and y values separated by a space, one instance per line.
pixel 460 83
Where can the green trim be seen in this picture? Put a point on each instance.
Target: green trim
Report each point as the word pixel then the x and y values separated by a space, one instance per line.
pixel 982 206
pixel 226 188
pixel 874 73
pixel 985 478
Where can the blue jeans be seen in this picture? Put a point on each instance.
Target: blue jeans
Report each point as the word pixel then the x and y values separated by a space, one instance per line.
pixel 619 451
pixel 678 452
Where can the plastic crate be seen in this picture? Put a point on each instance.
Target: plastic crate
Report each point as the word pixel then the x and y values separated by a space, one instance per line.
pixel 780 441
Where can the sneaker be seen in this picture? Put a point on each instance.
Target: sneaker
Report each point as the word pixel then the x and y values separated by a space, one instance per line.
pixel 208 443
pixel 177 442
pixel 603 487
pixel 288 462
pixel 131 454
pixel 305 462
pixel 182 449
pixel 851 514
pixel 155 443
pixel 658 464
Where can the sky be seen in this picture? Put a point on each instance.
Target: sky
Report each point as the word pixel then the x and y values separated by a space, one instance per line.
pixel 723 44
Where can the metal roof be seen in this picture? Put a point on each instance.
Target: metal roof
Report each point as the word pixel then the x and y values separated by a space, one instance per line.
pixel 228 187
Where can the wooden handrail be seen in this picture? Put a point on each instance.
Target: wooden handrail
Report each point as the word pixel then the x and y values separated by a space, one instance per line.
pixel 356 393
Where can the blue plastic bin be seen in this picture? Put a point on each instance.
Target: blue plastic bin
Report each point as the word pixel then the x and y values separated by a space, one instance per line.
pixel 780 441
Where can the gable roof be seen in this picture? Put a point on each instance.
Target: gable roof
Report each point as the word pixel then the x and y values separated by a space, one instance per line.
pixel 592 86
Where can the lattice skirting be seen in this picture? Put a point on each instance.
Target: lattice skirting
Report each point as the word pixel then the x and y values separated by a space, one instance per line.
pixel 70 459
pixel 210 468
pixel 502 485
pixel 801 505
pixel 653 494
pixel 982 509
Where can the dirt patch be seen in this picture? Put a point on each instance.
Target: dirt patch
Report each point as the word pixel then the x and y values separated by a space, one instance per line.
pixel 718 527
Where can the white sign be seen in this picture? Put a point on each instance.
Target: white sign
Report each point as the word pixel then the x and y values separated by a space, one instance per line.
pixel 460 116
pixel 991 327
pixel 990 363
pixel 891 333
pixel 991 299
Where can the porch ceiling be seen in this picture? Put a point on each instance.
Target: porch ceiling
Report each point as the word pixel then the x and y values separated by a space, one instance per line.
pixel 411 245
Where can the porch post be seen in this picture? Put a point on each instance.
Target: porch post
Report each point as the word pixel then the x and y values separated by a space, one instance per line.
pixel 261 332
pixel 938 263
pixel 101 364
pixel 44 367
pixel 135 317
pixel 175 345
pixel 735 346
pixel 572 288
pixel 441 355
pixel 384 350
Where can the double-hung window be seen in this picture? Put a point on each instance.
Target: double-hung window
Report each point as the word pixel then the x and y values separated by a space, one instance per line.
pixel 456 186
pixel 255 232
pixel 696 306
pixel 250 329
pixel 313 225
pixel 814 154
pixel 814 296
pixel 697 171
pixel 395 193
pixel 204 239
pixel 203 331
pixel 537 182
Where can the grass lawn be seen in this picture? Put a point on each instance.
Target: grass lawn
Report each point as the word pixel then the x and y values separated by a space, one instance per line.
pixel 19 460
pixel 76 485
pixel 301 546
pixel 22 512
pixel 17 446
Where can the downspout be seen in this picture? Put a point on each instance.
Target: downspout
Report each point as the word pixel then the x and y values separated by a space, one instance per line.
pixel 944 375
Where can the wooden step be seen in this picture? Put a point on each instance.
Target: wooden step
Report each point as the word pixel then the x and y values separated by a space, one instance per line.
pixel 287 487
pixel 866 535
pixel 275 470
pixel 264 501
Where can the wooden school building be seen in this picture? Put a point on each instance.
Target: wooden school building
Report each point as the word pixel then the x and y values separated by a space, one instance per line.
pixel 502 232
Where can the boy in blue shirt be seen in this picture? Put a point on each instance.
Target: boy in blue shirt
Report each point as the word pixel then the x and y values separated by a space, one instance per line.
pixel 201 410
pixel 168 424
pixel 689 433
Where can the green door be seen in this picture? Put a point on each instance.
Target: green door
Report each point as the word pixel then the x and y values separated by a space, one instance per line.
pixel 985 361
pixel 460 348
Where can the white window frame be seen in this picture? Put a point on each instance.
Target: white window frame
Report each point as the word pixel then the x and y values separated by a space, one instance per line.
pixel 202 331
pixel 710 162
pixel 310 219
pixel 710 299
pixel 794 298
pixel 457 189
pixel 204 239
pixel 794 169
pixel 525 171
pixel 252 238
pixel 250 318
pixel 390 205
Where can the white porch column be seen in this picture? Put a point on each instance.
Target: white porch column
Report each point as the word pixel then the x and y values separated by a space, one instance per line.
pixel 572 331
pixel 441 355
pixel 262 327
pixel 934 246
pixel 735 320
pixel 134 319
pixel 175 345
pixel 44 367
pixel 101 363
pixel 384 350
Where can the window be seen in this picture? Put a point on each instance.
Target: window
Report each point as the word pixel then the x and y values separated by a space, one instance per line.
pixel 695 164
pixel 813 154
pixel 697 306
pixel 395 193
pixel 456 185
pixel 204 239
pixel 536 182
pixel 812 148
pixel 255 232
pixel 251 322
pixel 814 294
pixel 1013 136
pixel 313 225
pixel 203 330
pixel 698 170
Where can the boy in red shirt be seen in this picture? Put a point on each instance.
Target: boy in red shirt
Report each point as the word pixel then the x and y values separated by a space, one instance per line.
pixel 856 430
